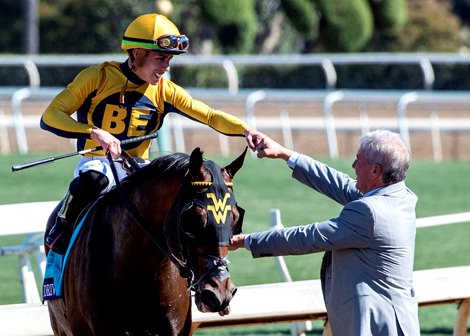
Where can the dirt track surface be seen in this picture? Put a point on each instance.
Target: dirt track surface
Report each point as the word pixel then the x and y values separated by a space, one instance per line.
pixel 450 145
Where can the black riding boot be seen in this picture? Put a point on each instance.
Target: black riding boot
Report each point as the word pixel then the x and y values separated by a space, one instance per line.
pixel 83 190
pixel 60 234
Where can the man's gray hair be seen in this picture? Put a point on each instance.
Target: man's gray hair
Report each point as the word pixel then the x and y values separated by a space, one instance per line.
pixel 387 149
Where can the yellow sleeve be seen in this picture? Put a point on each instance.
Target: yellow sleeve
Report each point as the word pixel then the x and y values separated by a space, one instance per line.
pixel 57 118
pixel 194 109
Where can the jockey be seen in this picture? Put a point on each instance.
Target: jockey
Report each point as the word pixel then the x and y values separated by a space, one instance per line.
pixel 116 101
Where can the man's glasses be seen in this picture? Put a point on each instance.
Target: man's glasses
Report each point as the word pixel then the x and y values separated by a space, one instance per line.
pixel 173 42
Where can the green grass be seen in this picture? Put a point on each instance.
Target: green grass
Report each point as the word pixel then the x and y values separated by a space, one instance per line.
pixel 262 185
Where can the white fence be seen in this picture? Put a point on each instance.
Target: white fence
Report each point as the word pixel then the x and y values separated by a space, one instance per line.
pixel 286 122
pixel 275 303
pixel 300 300
pixel 229 63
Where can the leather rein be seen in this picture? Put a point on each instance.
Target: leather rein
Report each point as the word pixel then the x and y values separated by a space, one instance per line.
pixel 183 267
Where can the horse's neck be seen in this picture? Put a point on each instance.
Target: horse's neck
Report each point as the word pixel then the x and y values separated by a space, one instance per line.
pixel 148 208
pixel 171 230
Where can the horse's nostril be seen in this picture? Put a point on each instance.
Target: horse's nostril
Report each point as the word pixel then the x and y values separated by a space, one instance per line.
pixel 210 299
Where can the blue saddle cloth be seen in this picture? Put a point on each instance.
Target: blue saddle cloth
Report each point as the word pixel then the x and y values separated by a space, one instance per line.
pixel 52 287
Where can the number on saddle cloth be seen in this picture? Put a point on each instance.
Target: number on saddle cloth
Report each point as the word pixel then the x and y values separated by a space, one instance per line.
pixel 55 266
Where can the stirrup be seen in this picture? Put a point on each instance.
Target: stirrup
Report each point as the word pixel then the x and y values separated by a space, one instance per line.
pixel 59 241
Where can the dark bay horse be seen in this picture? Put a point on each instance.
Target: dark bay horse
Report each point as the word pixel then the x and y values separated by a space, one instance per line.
pixel 138 256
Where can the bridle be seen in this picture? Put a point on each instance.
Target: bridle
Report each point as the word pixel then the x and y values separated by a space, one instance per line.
pixel 214 263
pixel 218 202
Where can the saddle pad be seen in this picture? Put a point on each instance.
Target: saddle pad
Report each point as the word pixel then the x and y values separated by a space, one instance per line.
pixel 55 266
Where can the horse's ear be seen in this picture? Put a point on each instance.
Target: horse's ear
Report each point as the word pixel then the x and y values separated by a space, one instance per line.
pixel 195 162
pixel 232 168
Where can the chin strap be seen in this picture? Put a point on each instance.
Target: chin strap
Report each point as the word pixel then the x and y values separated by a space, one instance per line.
pixel 122 95
pixel 141 53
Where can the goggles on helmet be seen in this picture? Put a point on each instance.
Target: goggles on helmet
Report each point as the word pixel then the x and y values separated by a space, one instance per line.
pixel 165 43
pixel 173 42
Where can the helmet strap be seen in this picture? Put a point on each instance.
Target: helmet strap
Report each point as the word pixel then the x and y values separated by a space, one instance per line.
pixel 135 63
pixel 122 94
pixel 141 53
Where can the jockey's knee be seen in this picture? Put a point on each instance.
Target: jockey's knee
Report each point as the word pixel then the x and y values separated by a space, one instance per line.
pixel 90 183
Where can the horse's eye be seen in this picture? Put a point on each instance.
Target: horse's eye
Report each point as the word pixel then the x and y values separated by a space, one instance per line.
pixel 192 222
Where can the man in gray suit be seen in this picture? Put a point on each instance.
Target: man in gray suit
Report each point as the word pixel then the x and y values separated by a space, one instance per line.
pixel 367 275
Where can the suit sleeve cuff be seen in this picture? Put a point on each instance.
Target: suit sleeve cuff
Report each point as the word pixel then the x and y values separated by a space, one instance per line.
pixel 247 242
pixel 292 161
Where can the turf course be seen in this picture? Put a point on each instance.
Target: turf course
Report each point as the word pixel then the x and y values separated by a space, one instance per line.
pixel 261 185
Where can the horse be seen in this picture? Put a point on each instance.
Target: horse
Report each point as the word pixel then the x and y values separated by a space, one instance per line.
pixel 160 234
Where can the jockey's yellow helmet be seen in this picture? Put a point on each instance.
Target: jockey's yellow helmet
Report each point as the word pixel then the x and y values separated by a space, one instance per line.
pixel 154 32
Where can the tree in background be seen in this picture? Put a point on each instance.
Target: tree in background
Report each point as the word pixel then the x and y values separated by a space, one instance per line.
pixel 462 9
pixel 322 25
pixel 11 26
pixel 304 17
pixel 248 26
pixel 389 15
pixel 234 23
pixel 347 25
pixel 92 26
pixel 431 27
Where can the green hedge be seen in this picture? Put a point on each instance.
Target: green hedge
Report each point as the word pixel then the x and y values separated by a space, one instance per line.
pixel 347 26
pixel 234 21
pixel 389 15
pixel 303 16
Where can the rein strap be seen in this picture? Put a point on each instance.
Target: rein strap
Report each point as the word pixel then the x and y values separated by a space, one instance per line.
pixel 144 224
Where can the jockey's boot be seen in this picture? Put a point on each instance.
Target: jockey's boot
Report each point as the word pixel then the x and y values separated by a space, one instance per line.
pixel 83 190
pixel 60 234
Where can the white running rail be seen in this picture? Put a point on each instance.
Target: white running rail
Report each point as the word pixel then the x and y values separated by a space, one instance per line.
pixel 301 300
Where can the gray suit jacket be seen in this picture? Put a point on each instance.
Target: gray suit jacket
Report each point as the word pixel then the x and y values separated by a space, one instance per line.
pixel 368 282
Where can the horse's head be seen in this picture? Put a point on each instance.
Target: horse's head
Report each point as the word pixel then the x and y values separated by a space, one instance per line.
pixel 207 217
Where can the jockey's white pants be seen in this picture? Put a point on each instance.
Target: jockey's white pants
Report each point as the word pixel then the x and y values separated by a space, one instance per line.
pixel 102 165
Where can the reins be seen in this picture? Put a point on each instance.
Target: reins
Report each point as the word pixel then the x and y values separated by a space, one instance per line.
pixel 182 266
pixel 143 223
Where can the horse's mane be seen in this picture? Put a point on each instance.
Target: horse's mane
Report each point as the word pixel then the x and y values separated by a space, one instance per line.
pixel 163 166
